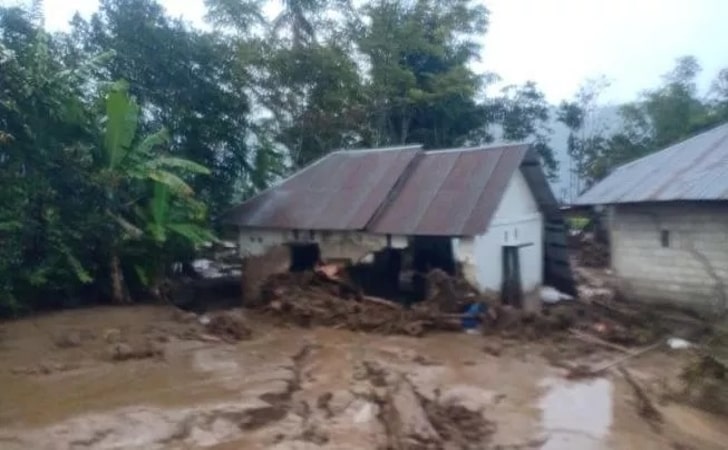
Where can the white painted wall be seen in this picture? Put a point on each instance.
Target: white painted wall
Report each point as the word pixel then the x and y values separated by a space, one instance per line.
pixel 517 221
pixel 691 271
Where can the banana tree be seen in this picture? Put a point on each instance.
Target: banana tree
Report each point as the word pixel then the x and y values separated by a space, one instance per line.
pixel 165 224
pixel 131 166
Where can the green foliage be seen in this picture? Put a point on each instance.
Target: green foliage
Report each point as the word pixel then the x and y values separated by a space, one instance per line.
pixel 185 80
pixel 524 114
pixel 421 88
pixel 136 165
pixel 73 171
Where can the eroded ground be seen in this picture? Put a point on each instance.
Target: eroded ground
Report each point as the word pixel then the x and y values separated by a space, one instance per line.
pixel 64 386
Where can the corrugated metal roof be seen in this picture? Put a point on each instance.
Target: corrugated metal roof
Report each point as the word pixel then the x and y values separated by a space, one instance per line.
pixel 695 169
pixel 403 191
pixel 451 192
pixel 341 191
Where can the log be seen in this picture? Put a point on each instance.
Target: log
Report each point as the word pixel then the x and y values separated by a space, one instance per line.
pixel 631 355
pixel 591 339
pixel 381 301
pixel 645 406
pixel 583 372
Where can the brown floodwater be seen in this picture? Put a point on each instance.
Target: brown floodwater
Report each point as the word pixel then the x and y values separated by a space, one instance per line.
pixel 56 396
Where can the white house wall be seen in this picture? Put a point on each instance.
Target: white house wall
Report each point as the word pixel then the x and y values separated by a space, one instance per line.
pixel 517 221
pixel 690 271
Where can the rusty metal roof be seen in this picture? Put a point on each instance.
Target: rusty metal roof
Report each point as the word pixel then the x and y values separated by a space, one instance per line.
pixel 451 192
pixel 341 191
pixel 403 191
pixel 694 169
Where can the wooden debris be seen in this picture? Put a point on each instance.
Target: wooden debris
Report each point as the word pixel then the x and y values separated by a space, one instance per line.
pixel 591 339
pixel 582 372
pixel 645 406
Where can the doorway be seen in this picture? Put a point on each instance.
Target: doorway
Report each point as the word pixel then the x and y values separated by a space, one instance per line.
pixel 511 288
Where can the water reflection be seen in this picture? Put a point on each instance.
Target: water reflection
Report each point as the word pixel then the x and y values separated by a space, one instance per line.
pixel 577 415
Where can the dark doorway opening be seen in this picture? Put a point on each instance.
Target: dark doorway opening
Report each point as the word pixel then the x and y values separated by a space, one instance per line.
pixel 511 289
pixel 433 252
pixel 304 256
pixel 428 253
pixel 380 277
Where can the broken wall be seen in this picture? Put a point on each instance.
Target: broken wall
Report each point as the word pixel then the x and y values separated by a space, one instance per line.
pixel 346 245
pixel 673 253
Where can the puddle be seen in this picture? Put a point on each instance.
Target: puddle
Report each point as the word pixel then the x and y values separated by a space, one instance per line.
pixel 576 415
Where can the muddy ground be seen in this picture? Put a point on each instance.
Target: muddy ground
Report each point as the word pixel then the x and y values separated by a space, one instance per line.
pixel 150 377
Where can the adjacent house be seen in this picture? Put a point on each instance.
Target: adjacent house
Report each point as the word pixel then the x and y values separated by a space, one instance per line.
pixel 667 216
pixel 487 213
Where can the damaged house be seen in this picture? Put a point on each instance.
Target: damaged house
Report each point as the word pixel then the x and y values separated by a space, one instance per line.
pixel 667 221
pixel 486 214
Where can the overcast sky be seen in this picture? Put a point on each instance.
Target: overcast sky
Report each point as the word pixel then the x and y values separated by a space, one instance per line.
pixel 559 43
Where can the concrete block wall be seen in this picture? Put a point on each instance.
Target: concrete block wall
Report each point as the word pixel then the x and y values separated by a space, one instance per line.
pixel 691 271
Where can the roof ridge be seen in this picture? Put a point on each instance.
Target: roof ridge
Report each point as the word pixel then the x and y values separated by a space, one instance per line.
pixel 378 149
pixel 499 146
pixel 396 188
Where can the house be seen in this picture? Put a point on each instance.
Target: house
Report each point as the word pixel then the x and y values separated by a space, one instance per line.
pixel 487 213
pixel 667 216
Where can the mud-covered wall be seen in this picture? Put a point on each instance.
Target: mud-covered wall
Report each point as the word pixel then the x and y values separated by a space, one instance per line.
pixel 517 221
pixel 673 253
pixel 333 244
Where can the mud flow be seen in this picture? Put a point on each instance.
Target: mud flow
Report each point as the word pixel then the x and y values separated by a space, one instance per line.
pixel 156 378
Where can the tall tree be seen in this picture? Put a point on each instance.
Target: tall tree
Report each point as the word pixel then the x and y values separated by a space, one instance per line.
pixel 49 216
pixel 183 79
pixel 420 86
pixel 524 114
pixel 586 133
pixel 127 166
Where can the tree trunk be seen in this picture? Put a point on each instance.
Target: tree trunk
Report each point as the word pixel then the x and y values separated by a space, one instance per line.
pixel 118 286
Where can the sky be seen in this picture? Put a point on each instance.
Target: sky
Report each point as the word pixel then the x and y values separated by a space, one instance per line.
pixel 558 43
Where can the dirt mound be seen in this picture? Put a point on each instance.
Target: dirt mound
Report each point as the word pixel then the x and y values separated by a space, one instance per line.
pixel 229 326
pixel 589 250
pixel 412 421
pixel 309 299
pixel 123 351
pixel 449 294
pixel 457 425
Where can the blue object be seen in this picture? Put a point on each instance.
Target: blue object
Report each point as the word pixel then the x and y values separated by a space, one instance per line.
pixel 471 320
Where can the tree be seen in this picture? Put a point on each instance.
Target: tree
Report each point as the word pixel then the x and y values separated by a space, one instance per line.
pixel 129 160
pixel 586 133
pixel 420 87
pixel 50 207
pixel 523 113
pixel 184 79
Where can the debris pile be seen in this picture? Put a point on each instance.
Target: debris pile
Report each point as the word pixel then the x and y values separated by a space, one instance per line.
pixel 309 299
pixel 589 250
pixel 705 384
pixel 449 294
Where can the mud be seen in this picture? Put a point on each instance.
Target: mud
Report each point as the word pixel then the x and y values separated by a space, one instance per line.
pixel 294 388
pixel 229 325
